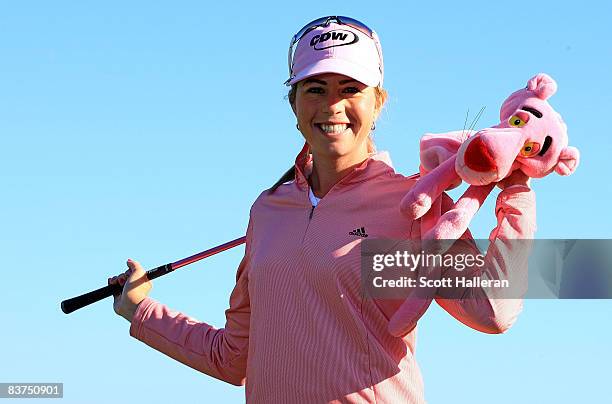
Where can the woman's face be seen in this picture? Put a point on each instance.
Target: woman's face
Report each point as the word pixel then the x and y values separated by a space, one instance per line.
pixel 335 114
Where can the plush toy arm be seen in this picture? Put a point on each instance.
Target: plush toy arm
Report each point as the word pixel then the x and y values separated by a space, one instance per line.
pixel 405 317
pixel 440 227
pixel 429 187
pixel 437 150
pixel 506 258
pixel 455 221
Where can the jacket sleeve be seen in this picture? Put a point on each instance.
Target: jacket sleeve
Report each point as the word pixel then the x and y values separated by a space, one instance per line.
pixel 507 256
pixel 220 353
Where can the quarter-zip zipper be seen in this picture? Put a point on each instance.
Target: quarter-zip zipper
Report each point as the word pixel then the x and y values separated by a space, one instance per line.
pixel 312 209
pixel 308 223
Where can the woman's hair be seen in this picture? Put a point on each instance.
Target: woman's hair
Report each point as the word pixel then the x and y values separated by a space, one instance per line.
pixel 381 97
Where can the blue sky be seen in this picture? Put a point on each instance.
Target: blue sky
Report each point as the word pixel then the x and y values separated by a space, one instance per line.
pixel 146 130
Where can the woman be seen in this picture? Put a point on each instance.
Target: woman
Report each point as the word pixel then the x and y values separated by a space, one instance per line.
pixel 298 328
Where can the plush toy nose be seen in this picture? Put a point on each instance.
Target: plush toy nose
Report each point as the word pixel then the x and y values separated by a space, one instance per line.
pixel 477 156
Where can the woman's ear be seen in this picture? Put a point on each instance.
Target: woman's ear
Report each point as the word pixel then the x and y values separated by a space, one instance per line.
pixel 377 112
pixel 378 104
pixel 293 98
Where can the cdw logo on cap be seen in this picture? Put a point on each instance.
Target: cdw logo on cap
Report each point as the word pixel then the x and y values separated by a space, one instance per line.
pixel 340 37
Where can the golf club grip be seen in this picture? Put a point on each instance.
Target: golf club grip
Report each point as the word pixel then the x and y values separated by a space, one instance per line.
pixel 70 305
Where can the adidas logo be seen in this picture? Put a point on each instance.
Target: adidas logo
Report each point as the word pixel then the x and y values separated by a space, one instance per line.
pixel 359 232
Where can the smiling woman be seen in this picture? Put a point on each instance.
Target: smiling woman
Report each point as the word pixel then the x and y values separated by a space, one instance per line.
pixel 335 114
pixel 381 98
pixel 299 328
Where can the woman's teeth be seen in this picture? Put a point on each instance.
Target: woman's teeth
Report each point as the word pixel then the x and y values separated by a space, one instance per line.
pixel 339 128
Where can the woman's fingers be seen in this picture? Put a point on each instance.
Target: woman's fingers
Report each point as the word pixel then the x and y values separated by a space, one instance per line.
pixel 134 266
pixel 122 278
pixel 112 281
pixel 135 286
pixel 137 274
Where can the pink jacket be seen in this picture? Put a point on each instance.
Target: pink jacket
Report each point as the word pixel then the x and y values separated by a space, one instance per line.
pixel 298 329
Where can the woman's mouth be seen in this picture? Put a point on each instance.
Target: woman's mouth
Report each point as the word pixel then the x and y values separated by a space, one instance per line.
pixel 333 129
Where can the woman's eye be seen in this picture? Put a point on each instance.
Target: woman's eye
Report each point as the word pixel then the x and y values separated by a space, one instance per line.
pixel 315 90
pixel 351 90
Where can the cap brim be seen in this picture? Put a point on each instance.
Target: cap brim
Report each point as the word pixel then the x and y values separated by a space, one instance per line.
pixel 340 66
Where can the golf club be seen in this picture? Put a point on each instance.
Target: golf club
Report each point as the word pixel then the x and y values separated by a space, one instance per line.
pixel 70 305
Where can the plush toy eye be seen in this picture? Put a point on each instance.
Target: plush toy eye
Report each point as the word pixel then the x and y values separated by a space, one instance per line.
pixel 519 119
pixel 530 149
pixel 516 121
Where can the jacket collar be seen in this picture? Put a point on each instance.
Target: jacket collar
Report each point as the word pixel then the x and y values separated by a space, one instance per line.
pixel 375 165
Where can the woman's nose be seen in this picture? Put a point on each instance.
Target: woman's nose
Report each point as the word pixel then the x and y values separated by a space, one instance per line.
pixel 332 104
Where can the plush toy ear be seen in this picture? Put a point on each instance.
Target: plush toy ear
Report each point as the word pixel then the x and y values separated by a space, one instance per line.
pixel 568 161
pixel 436 148
pixel 542 85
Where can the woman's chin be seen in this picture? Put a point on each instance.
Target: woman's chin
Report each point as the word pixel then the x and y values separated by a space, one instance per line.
pixel 336 147
pixel 334 151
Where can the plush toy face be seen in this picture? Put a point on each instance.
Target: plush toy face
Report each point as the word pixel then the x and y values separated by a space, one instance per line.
pixel 531 137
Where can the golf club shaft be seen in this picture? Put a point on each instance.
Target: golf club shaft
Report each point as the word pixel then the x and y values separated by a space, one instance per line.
pixel 70 305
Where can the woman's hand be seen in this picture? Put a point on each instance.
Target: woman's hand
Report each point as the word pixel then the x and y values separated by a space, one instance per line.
pixel 136 287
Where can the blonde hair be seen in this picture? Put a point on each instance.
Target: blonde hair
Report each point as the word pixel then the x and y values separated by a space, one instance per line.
pixel 381 98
